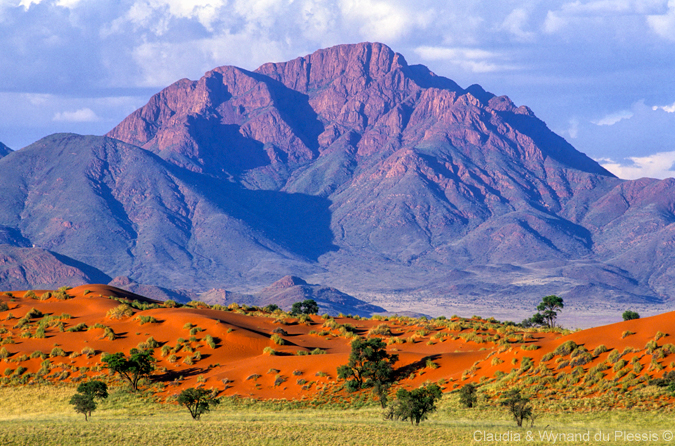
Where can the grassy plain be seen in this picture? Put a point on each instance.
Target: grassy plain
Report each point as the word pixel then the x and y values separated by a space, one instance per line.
pixel 41 415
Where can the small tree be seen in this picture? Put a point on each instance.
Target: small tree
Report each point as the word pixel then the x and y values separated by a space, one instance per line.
pixel 629 315
pixel 83 400
pixel 369 366
pixel 307 306
pixel 415 405
pixel 548 309
pixel 468 395
pixel 94 388
pixel 197 401
pixel 139 365
pixel 518 405
pixel 83 404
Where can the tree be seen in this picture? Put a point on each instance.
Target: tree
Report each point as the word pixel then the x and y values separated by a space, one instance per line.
pixel 369 366
pixel 630 315
pixel 518 405
pixel 549 308
pixel 415 405
pixel 83 400
pixel 140 364
pixel 467 395
pixel 197 401
pixel 84 404
pixel 94 388
pixel 307 306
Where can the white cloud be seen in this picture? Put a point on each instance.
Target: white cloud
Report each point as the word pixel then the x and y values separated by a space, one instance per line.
pixel 471 59
pixel 515 23
pixel 613 118
pixel 665 108
pixel 658 165
pixel 81 115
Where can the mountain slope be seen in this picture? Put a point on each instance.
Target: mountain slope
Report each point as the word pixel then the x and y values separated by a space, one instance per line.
pixel 353 169
pixel 4 150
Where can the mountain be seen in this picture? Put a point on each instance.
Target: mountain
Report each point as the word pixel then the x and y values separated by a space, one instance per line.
pixel 4 150
pixel 288 290
pixel 351 168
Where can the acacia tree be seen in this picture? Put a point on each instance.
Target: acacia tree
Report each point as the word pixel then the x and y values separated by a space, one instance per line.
pixel 467 395
pixel 197 401
pixel 307 306
pixel 369 366
pixel 415 405
pixel 548 308
pixel 139 365
pixel 83 400
pixel 518 405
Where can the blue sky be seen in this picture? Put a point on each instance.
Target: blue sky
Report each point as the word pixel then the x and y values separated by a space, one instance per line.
pixel 601 73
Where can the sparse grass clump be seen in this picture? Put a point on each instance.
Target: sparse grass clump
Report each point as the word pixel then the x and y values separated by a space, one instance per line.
pixel 146 319
pixel 278 340
pixel 120 311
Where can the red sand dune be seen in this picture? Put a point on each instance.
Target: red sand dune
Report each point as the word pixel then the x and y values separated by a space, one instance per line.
pixel 241 339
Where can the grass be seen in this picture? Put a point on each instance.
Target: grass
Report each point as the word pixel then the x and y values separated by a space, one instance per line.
pixel 42 415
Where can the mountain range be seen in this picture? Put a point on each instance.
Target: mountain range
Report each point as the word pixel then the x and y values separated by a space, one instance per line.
pixel 349 168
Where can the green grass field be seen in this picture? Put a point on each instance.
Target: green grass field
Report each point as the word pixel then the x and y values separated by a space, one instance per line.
pixel 35 415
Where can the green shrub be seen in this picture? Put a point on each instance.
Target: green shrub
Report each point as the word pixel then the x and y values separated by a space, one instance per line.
pixel 120 311
pixel 318 351
pixel 269 351
pixel 146 319
pixel 277 339
pixel 566 348
pixel 79 327
pixel 57 351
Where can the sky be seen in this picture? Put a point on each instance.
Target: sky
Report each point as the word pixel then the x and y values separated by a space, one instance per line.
pixel 601 73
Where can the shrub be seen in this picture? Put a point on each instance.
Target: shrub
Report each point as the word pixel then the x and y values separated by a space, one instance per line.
pixel 210 342
pixel 4 353
pixel 79 327
pixel 109 334
pixel 149 343
pixel 57 351
pixel 529 347
pixel 146 319
pixel 88 352
pixel 581 359
pixel 659 335
pixel 277 339
pixel 120 311
pixel 269 351
pixel 630 315
pixel 566 348
pixel 380 330
pixel 627 333
pixel 4 306
pixel 430 364
pixel 600 349
pixel 38 354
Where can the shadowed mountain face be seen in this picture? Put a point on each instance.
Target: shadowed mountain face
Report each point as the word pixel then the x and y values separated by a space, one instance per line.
pixel 4 150
pixel 353 169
